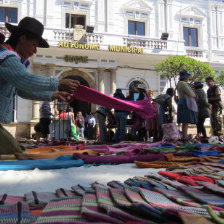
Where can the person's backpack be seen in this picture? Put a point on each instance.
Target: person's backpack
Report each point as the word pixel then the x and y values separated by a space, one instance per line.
pixel 80 123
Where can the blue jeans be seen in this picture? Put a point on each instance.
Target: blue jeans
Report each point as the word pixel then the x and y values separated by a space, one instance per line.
pixel 80 131
pixel 121 118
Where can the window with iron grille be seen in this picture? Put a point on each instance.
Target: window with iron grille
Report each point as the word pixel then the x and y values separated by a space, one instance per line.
pixel 9 15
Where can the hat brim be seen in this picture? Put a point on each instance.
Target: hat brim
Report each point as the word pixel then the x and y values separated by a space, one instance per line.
pixel 12 28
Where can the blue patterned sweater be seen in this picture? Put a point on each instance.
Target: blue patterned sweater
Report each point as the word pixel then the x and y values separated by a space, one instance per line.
pixel 14 78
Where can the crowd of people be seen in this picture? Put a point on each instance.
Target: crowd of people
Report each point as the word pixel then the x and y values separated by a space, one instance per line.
pixel 193 104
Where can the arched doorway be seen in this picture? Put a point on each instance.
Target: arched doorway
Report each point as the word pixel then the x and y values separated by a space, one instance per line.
pixel 133 89
pixel 79 105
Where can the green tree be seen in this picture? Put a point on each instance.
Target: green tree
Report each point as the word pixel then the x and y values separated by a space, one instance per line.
pixel 171 67
pixel 220 79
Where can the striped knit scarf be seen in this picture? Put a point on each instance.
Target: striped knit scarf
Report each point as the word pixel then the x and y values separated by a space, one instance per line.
pixel 6 51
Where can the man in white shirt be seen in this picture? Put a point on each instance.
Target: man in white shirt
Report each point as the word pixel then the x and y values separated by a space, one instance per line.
pixel 91 126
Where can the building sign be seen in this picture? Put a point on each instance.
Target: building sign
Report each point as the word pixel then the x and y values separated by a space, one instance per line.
pixel 76 59
pixel 89 46
pixel 76 45
pixel 134 50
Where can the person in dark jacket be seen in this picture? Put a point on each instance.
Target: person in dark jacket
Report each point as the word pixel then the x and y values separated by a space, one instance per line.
pixel 215 105
pixel 121 119
pixel 203 108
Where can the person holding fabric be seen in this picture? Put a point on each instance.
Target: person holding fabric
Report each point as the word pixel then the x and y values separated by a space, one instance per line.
pixel 203 108
pixel 215 104
pixel 187 109
pixel 80 124
pixel 15 79
pixel 121 118
pixel 91 126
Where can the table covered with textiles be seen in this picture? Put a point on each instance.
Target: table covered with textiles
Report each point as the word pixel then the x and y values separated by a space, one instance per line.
pixel 122 183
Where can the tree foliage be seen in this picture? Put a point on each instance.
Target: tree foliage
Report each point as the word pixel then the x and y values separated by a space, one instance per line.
pixel 220 79
pixel 171 66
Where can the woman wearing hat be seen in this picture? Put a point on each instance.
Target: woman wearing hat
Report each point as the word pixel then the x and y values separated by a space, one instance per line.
pixel 203 108
pixel 187 109
pixel 15 79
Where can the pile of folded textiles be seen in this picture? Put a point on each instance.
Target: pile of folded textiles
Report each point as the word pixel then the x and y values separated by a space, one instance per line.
pixel 154 155
pixel 190 194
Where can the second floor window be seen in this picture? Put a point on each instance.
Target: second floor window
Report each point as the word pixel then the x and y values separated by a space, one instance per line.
pixel 9 15
pixel 136 28
pixel 191 37
pixel 74 19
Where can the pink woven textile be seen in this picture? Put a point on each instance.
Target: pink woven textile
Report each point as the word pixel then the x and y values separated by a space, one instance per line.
pixel 120 147
pixel 143 108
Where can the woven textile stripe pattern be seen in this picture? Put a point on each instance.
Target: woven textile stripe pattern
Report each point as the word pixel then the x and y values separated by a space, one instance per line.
pixel 119 197
pixel 213 187
pixel 10 199
pixel 156 199
pixel 178 197
pixel 38 198
pixel 115 184
pixel 15 213
pixel 63 211
pixel 105 202
pixel 134 196
pixel 92 212
pixel 203 197
pixel 63 193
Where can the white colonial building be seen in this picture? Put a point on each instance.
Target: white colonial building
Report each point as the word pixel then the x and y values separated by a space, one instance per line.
pixel 109 44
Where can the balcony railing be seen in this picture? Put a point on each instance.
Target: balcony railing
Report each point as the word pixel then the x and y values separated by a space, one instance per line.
pixel 194 53
pixel 150 45
pixel 93 38
pixel 146 43
pixel 62 35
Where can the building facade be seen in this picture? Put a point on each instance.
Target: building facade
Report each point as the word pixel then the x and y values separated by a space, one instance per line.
pixel 109 44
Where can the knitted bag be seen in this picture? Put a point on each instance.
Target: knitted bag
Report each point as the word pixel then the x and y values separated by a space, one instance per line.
pixel 92 212
pixel 39 198
pixel 10 199
pixel 64 211
pixel 202 196
pixel 63 193
pixel 104 201
pixel 170 132
pixel 17 213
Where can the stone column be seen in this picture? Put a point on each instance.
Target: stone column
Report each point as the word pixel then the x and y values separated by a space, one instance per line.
pixel 113 85
pixel 50 70
pixel 101 84
pixel 35 116
pixel 35 111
